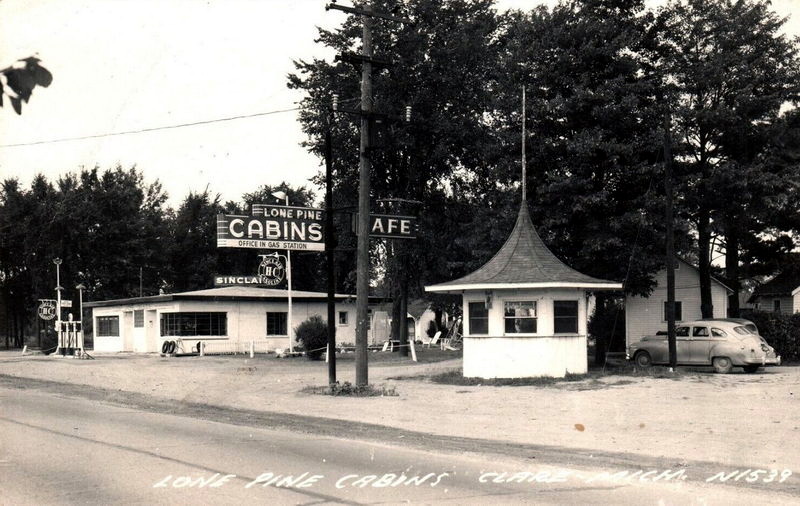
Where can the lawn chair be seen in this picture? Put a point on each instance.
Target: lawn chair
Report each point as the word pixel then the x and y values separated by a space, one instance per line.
pixel 432 341
pixel 453 339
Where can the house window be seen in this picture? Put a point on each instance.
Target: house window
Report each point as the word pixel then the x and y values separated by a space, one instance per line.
pixel 565 316
pixel 678 311
pixel 520 317
pixel 776 305
pixel 478 318
pixel 108 326
pixel 276 324
pixel 344 318
pixel 194 324
pixel 138 318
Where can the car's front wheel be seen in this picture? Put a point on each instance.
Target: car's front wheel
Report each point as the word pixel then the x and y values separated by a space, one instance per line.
pixel 643 359
pixel 750 369
pixel 722 365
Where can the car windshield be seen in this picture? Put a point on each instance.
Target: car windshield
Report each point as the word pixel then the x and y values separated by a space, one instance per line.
pixel 741 330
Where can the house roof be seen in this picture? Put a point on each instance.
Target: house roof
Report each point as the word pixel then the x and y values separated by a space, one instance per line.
pixel 229 293
pixel 524 262
pixel 697 269
pixel 415 307
pixel 782 285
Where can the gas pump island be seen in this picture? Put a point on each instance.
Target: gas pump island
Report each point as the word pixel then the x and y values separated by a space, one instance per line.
pixel 69 331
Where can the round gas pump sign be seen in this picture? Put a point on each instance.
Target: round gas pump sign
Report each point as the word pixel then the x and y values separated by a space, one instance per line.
pixel 47 309
pixel 271 270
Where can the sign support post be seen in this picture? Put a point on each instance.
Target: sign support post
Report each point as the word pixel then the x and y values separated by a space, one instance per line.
pixel 80 288
pixel 59 345
pixel 289 287
pixel 283 195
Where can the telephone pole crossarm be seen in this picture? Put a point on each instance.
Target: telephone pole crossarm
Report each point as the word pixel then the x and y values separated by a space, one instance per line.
pixel 357 59
pixel 363 12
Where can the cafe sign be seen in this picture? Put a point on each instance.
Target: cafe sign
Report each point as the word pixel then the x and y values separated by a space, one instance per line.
pixel 390 226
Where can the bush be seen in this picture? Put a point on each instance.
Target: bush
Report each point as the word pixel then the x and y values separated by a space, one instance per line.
pixel 313 335
pixel 782 332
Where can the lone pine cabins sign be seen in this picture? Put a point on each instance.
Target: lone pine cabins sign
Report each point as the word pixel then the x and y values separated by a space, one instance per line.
pixel 272 227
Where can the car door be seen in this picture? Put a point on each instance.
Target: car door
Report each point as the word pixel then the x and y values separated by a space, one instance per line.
pixel 700 345
pixel 683 343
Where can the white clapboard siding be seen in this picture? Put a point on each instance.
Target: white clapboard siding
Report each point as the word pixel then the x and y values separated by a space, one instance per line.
pixel 645 315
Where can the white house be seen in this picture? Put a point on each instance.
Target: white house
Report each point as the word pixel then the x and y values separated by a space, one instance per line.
pixel 796 300
pixel 525 311
pixel 233 314
pixel 647 315
pixel 781 294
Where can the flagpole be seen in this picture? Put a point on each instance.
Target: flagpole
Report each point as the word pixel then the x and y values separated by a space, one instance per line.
pixel 524 175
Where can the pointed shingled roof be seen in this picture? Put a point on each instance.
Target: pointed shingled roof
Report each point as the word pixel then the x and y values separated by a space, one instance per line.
pixel 524 262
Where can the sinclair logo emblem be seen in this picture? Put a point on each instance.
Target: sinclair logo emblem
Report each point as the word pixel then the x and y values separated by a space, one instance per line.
pixel 47 309
pixel 271 272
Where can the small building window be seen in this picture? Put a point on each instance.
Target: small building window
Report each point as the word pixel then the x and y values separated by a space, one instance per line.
pixel 138 318
pixel 478 318
pixel 194 324
pixel 678 311
pixel 276 324
pixel 520 317
pixel 108 326
pixel 776 305
pixel 344 318
pixel 565 316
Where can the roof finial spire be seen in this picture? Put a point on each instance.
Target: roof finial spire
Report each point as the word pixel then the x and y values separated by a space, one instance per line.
pixel 524 175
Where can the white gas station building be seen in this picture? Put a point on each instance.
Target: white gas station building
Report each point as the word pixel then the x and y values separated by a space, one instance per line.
pixel 232 314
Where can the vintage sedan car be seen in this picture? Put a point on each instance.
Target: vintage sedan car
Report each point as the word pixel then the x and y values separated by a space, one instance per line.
pixel 723 343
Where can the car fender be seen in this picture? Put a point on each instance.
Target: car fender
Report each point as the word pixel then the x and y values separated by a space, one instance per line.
pixel 732 350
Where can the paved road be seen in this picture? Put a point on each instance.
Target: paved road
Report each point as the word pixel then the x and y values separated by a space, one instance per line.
pixel 64 450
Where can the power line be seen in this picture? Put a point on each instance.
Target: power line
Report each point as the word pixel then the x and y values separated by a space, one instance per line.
pixel 144 130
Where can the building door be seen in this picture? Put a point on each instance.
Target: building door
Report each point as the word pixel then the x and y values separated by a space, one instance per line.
pixel 126 331
pixel 152 331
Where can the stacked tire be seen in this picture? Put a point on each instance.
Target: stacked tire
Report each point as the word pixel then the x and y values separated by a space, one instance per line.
pixel 168 347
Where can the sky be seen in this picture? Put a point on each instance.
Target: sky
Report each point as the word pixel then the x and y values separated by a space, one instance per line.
pixel 126 65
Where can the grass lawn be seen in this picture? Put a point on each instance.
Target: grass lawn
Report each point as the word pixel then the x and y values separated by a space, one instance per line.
pixel 592 378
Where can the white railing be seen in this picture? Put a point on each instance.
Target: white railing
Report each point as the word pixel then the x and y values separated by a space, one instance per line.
pixel 236 347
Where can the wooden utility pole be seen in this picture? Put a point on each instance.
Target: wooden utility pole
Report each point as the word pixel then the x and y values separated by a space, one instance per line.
pixel 670 247
pixel 329 246
pixel 364 168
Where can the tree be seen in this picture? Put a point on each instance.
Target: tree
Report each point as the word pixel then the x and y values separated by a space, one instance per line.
pixel 21 79
pixel 193 250
pixel 733 71
pixel 594 141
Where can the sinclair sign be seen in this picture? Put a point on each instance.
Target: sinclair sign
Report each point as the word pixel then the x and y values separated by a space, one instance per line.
pixel 271 272
pixel 273 227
